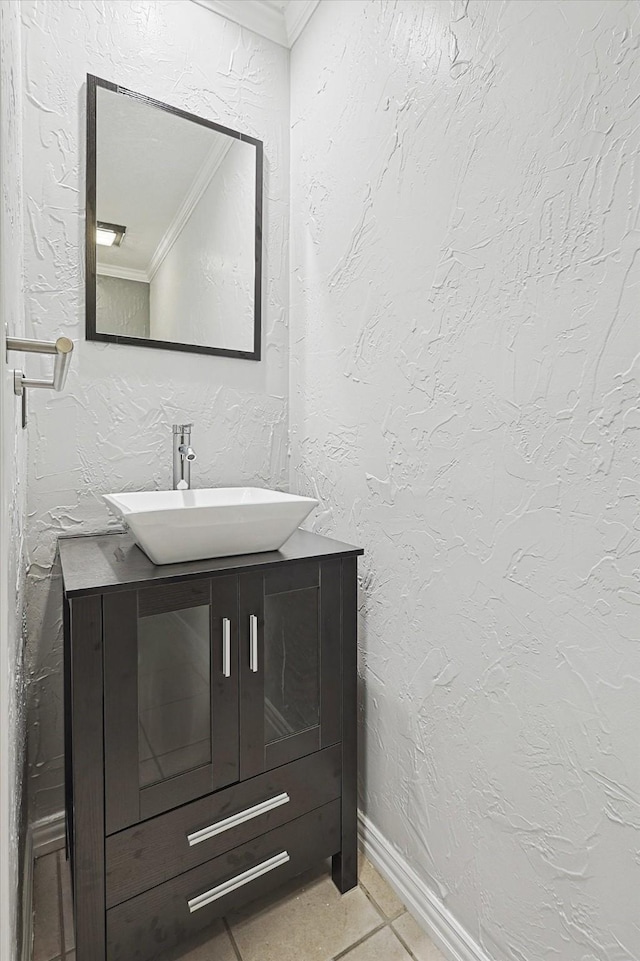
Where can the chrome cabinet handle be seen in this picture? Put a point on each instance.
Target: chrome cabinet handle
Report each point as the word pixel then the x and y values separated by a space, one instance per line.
pixel 226 647
pixel 233 884
pixel 253 642
pixel 235 819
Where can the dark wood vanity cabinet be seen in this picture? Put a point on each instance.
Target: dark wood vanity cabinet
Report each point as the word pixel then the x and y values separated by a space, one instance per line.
pixel 210 733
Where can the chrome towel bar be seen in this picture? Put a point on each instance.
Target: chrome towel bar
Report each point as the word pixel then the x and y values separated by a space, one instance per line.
pixel 62 348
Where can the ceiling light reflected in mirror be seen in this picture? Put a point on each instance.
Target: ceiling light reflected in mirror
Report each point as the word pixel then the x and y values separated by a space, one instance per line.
pixel 109 235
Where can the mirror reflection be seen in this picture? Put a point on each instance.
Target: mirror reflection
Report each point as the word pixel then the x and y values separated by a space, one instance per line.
pixel 177 229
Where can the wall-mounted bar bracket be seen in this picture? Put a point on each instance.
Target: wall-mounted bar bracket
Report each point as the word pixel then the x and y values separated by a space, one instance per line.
pixel 61 348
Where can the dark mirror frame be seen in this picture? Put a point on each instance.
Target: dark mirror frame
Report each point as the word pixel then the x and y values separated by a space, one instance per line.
pixel 91 181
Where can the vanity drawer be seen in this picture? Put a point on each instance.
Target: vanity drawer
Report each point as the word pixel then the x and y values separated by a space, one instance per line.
pixel 156 920
pixel 163 847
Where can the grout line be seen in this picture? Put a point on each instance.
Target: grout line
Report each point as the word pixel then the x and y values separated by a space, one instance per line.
pixel 232 939
pixel 60 911
pixel 404 943
pixel 356 944
pixel 373 901
pixel 380 911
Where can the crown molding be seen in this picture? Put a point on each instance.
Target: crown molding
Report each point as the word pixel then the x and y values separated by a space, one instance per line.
pixel 297 14
pixel 255 15
pixel 200 183
pixel 122 273
pixel 283 26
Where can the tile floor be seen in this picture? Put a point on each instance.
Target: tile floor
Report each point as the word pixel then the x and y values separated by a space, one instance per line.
pixel 305 920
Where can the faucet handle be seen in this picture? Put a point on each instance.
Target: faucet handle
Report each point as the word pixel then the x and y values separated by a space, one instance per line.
pixel 187 452
pixel 181 428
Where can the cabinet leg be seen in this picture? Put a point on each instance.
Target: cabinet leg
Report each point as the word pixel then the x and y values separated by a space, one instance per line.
pixel 345 864
pixel 344 869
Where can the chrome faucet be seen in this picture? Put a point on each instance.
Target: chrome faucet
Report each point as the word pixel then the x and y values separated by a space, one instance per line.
pixel 183 457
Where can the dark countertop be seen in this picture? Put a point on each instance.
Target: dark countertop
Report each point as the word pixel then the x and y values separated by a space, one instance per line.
pixel 101 563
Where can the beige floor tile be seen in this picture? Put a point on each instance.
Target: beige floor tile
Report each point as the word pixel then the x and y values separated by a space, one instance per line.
pixel 67 902
pixel 416 939
pixel 313 922
pixel 46 921
pixel 380 890
pixel 213 944
pixel 382 946
pixel 284 891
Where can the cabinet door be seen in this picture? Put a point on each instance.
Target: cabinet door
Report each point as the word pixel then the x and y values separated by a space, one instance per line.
pixel 290 663
pixel 171 696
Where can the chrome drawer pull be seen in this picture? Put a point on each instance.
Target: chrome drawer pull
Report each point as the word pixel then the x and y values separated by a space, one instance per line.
pixel 228 886
pixel 253 640
pixel 226 647
pixel 231 822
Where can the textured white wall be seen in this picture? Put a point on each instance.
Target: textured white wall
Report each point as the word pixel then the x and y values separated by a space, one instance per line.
pixel 111 429
pixel 122 306
pixel 203 291
pixel 465 402
pixel 12 488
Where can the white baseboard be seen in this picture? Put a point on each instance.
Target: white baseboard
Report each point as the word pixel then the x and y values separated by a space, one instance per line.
pixel 27 899
pixel 47 835
pixel 445 931
pixel 42 838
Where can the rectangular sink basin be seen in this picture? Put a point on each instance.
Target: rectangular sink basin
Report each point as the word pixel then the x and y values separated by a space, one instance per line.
pixel 175 526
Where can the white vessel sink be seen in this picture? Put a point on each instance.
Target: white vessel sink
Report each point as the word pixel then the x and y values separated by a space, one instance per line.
pixel 175 526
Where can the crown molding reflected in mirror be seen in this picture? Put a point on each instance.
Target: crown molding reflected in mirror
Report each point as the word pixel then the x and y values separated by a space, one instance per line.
pixel 173 227
pixel 280 20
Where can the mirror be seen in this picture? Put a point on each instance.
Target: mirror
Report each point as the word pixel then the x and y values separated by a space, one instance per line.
pixel 174 227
